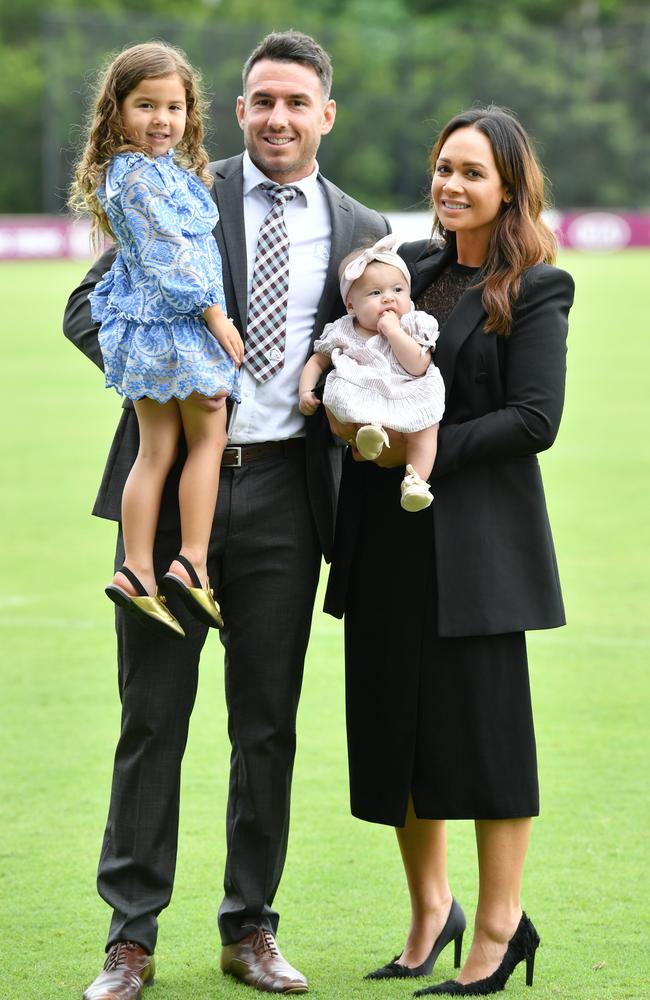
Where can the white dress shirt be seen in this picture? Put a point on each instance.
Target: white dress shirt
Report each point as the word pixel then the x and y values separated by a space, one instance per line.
pixel 269 410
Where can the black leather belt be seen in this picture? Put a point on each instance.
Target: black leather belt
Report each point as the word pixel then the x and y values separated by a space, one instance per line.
pixel 236 455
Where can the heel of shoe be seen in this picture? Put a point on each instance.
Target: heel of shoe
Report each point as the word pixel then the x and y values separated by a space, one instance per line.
pixel 530 969
pixel 530 947
pixel 458 949
pixel 522 945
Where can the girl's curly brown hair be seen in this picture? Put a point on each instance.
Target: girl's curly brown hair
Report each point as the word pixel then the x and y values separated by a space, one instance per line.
pixel 105 138
pixel 520 237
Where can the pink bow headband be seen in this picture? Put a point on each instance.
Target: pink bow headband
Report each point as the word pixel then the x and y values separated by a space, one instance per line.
pixel 382 251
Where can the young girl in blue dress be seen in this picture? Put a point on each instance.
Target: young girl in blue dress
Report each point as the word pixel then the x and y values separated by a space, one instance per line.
pixel 166 341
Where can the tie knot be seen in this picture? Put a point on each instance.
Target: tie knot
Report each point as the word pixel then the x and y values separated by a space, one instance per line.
pixel 281 193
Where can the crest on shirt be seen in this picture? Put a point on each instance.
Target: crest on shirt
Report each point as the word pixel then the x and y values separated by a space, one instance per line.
pixel 322 251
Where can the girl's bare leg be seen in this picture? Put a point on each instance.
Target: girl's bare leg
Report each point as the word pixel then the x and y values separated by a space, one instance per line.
pixel 206 436
pixel 423 844
pixel 502 846
pixel 160 425
pixel 421 448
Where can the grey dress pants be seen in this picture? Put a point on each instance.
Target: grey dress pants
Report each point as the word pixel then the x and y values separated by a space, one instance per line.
pixel 264 563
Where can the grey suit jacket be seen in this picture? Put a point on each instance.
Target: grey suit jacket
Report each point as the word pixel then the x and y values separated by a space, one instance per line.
pixel 352 225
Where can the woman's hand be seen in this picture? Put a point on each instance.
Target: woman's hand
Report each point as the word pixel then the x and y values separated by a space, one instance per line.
pixel 347 432
pixel 394 456
pixel 389 457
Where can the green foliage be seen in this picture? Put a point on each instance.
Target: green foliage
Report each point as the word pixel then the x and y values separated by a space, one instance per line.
pixel 343 897
pixel 21 96
pixel 575 72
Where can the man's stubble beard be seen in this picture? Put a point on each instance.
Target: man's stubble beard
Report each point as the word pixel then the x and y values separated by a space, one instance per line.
pixel 304 165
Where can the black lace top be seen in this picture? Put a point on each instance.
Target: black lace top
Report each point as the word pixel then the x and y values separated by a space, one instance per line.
pixel 440 297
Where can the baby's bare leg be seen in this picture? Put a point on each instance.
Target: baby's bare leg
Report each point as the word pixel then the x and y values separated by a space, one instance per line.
pixel 421 448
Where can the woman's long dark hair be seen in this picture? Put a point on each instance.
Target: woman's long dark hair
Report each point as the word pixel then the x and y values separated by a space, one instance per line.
pixel 520 237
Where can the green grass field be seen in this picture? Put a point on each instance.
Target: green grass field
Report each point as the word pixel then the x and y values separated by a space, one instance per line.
pixel 343 901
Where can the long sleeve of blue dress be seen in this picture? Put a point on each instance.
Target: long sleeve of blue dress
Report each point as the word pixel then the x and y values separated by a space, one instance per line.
pixel 162 222
pixel 167 271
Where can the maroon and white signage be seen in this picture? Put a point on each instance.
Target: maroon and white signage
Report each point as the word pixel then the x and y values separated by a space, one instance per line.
pixel 31 237
pixel 603 230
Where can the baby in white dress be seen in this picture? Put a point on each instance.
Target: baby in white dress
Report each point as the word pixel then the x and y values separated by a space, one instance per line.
pixel 381 373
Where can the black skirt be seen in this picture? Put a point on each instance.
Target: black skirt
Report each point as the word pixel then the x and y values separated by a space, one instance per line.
pixel 446 721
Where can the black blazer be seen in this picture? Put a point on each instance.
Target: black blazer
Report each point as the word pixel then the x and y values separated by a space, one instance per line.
pixel 495 562
pixel 353 225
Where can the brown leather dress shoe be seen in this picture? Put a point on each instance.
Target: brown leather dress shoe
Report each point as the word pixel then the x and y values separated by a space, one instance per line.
pixel 256 961
pixel 126 970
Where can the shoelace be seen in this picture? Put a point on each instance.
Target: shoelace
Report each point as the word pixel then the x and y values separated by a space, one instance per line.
pixel 116 954
pixel 265 942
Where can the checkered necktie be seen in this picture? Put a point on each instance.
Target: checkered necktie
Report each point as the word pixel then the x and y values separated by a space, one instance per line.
pixel 267 313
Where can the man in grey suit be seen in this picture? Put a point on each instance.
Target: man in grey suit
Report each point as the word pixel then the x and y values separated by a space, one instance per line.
pixel 274 520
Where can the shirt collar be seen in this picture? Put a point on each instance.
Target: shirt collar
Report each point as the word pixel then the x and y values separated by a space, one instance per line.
pixel 253 177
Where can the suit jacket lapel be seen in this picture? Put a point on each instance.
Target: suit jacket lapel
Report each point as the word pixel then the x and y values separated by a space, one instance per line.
pixel 230 234
pixel 342 229
pixel 427 268
pixel 466 315
pixel 230 231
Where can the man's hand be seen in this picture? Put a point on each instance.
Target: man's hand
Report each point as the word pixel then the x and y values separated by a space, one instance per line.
pixel 308 403
pixel 209 403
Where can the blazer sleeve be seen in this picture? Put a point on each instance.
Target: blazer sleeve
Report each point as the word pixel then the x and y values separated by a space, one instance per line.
pixel 78 324
pixel 533 377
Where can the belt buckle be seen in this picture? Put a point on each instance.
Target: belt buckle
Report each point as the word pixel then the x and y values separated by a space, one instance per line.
pixel 231 458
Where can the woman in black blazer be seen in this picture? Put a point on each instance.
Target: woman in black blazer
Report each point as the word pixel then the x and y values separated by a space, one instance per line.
pixel 436 603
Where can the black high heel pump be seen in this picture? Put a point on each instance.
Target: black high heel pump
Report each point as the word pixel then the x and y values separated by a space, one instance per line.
pixel 522 945
pixel 452 931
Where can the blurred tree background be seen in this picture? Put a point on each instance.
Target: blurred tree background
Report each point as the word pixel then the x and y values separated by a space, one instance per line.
pixel 577 72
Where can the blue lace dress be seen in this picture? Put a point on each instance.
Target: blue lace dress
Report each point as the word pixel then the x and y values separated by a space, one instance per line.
pixel 167 271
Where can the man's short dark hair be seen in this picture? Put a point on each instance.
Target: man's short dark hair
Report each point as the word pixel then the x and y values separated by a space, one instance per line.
pixel 293 46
